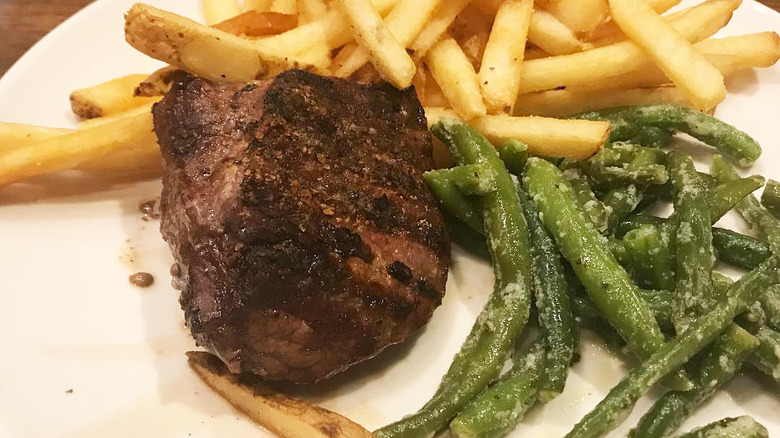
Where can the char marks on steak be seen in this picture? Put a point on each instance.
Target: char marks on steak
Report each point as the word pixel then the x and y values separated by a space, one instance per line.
pixel 296 209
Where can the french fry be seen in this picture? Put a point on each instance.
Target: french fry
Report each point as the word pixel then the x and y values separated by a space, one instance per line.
pixel 499 73
pixel 284 415
pixel 70 150
pixel 15 135
pixel 253 23
pixel 330 29
pixel 549 34
pixel 257 5
pixel 143 156
pixel 728 55
pixel 107 98
pixel 404 21
pixel 578 68
pixel 609 32
pixel 288 7
pixel 442 19
pixel 752 50
pixel 202 50
pixel 431 94
pixel 457 78
pixel 217 11
pixel 310 10
pixel 579 15
pixel 374 35
pixel 688 69
pixel 563 103
pixel 575 139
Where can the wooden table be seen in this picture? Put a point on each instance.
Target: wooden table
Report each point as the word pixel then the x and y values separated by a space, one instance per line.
pixel 23 22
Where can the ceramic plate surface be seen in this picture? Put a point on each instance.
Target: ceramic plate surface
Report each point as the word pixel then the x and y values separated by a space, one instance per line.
pixel 89 355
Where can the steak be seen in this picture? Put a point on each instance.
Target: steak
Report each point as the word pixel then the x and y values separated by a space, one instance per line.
pixel 306 238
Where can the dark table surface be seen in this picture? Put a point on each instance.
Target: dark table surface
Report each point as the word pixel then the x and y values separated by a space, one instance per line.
pixel 23 22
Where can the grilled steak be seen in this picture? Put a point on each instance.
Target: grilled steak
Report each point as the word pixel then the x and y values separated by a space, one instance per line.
pixel 306 238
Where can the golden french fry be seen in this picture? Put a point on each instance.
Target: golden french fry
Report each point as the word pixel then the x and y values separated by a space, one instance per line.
pixel 254 23
pixel 578 68
pixel 141 157
pixel 289 7
pixel 15 135
pixel 257 5
pixel 688 69
pixel 310 10
pixel 330 29
pixel 563 103
pixel 499 73
pixel 760 49
pixel 385 52
pixel 404 21
pixel 287 416
pixel 728 55
pixel 217 11
pixel 609 32
pixel 74 148
pixel 579 15
pixel 442 19
pixel 455 75
pixel 107 98
pixel 202 50
pixel 575 139
pixel 549 34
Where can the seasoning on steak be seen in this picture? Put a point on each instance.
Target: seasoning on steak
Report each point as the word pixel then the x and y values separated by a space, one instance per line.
pixel 306 238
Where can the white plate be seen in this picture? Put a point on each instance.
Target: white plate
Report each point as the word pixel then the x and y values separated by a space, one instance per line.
pixel 69 320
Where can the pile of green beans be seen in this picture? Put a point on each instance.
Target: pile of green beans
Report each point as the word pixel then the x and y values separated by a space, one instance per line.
pixel 568 239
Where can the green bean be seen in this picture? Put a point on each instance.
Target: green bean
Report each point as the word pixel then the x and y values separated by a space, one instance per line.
pixel 749 207
pixel 659 302
pixel 770 302
pixel 621 399
pixel 623 131
pixel 738 249
pixel 587 251
pixel 719 364
pixel 611 177
pixel 652 137
pixel 585 197
pixel 514 154
pixel 500 407
pixel 733 248
pixel 739 427
pixel 693 285
pixel 552 303
pixel 649 257
pixel 767 356
pixel 493 335
pixel 621 201
pixel 727 195
pixel 725 138
pixel 471 179
pixel 771 198
pixel 455 202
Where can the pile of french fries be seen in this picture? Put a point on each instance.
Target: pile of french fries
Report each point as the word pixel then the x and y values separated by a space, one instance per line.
pixel 512 68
